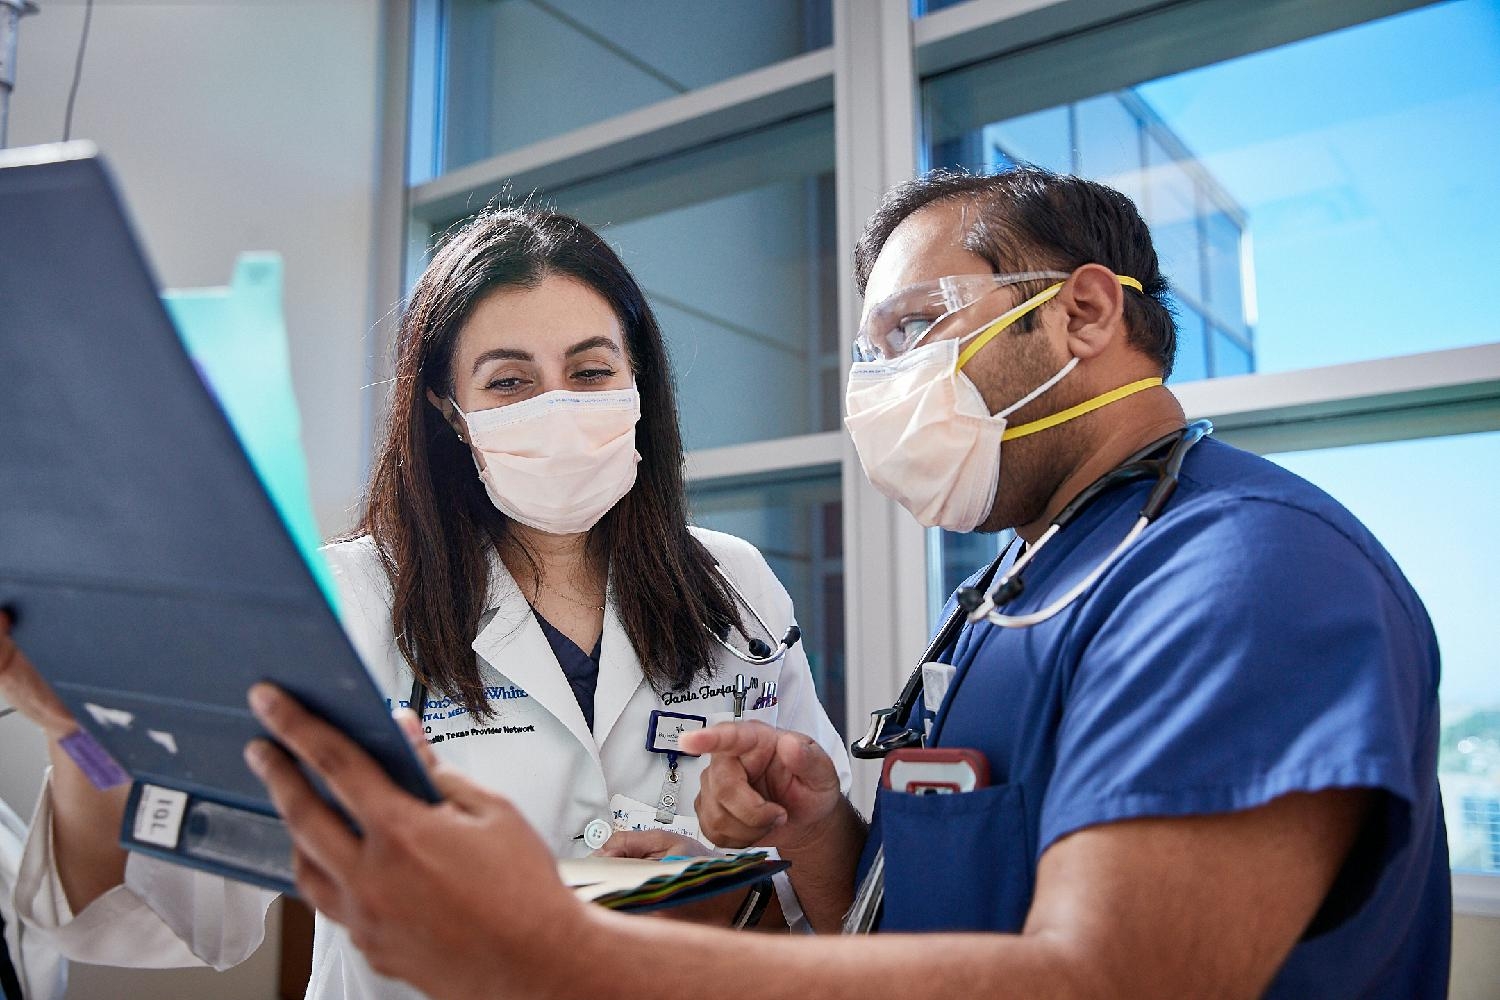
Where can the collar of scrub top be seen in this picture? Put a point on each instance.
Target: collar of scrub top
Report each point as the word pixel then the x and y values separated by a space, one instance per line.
pixel 980 602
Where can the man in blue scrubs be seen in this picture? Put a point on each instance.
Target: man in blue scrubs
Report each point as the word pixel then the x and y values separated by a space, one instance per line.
pixel 1211 774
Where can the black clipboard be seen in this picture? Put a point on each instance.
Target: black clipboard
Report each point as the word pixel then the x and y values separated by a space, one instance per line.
pixel 148 572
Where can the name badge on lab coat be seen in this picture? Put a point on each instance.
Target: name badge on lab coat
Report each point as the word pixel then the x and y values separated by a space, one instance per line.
pixel 627 813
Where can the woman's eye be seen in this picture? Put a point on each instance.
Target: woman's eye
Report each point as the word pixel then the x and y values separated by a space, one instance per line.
pixel 594 374
pixel 508 383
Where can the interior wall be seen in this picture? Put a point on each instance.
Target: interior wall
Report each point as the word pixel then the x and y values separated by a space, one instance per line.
pixel 1476 958
pixel 230 125
pixel 236 125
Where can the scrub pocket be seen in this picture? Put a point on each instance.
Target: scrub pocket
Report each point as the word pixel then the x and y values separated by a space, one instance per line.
pixel 955 862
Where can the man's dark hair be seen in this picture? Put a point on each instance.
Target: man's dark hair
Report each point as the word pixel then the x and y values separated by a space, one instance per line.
pixel 1029 219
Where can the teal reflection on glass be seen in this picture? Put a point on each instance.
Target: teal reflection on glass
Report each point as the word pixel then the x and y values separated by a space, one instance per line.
pixel 1413 495
pixel 797 523
pixel 237 339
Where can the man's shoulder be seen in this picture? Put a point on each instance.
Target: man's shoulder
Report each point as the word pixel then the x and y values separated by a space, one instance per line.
pixel 1248 492
pixel 1259 521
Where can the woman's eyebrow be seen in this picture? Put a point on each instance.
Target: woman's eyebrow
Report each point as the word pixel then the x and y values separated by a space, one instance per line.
pixel 590 344
pixel 500 354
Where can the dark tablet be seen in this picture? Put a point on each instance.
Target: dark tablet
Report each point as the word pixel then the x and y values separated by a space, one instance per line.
pixel 151 579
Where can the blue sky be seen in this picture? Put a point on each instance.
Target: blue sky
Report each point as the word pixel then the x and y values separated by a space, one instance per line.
pixel 1367 163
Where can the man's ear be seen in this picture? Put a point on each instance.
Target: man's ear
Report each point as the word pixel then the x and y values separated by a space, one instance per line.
pixel 1094 303
pixel 446 408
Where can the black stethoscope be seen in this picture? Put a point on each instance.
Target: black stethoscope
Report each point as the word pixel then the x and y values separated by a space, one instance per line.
pixel 982 601
pixel 757 652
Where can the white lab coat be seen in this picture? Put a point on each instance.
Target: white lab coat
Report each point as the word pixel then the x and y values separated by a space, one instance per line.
pixel 536 750
pixel 41 970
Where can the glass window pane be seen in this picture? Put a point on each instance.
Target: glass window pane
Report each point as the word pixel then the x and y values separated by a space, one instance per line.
pixel 1042 139
pixel 1192 345
pixel 1171 209
pixel 920 7
pixel 797 523
pixel 1352 238
pixel 734 244
pixel 518 71
pixel 1225 294
pixel 1451 562
pixel 1231 355
pixel 954 558
pixel 1109 143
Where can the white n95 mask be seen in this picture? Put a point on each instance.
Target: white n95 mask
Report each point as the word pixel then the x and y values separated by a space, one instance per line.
pixel 559 461
pixel 924 435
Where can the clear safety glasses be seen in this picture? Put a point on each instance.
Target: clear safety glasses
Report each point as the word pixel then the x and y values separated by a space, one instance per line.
pixel 901 321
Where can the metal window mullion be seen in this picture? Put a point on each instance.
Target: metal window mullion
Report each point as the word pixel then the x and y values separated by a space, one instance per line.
pixel 982 29
pixel 885 551
pixel 389 257
pixel 1420 395
pixel 758 459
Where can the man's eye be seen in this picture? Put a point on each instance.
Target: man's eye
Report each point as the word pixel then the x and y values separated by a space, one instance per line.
pixel 909 330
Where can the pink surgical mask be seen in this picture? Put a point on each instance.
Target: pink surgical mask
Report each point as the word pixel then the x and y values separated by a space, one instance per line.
pixel 559 461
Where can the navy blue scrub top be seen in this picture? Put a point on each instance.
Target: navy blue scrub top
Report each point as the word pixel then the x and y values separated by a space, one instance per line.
pixel 582 669
pixel 1256 641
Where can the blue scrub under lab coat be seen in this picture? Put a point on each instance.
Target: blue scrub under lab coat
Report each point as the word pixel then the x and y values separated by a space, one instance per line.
pixel 1256 641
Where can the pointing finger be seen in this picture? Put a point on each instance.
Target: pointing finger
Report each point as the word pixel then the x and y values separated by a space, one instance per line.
pixel 755 742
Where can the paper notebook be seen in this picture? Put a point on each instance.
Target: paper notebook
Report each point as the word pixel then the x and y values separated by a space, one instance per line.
pixel 637 884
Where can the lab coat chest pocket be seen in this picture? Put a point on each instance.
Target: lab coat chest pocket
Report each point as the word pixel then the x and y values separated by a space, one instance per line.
pixel 956 862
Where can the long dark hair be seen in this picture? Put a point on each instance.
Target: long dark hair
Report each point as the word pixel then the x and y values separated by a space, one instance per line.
pixel 434 525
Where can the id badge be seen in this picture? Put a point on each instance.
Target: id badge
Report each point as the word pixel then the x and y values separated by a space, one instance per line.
pixel 936 679
pixel 666 728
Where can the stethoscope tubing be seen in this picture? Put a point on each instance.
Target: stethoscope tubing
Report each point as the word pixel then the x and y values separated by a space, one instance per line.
pixel 788 640
pixel 792 636
pixel 976 605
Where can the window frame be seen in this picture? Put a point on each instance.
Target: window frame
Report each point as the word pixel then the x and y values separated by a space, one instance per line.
pixel 871 79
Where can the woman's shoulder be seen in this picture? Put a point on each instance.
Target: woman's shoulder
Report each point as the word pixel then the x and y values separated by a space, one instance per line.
pixel 741 560
pixel 725 546
pixel 356 561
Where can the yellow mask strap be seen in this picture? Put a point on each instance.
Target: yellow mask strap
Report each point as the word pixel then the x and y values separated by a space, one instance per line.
pixel 1087 406
pixel 1006 319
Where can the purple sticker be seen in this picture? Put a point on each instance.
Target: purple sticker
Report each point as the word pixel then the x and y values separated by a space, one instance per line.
pixel 93 760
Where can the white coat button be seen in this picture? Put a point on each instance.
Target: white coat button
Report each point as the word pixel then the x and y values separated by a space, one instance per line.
pixel 596 833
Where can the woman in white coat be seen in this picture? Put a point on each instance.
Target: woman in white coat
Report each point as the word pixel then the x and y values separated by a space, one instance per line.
pixel 538 612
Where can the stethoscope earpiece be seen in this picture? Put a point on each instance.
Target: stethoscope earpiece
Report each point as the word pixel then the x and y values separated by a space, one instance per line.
pixel 757 652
